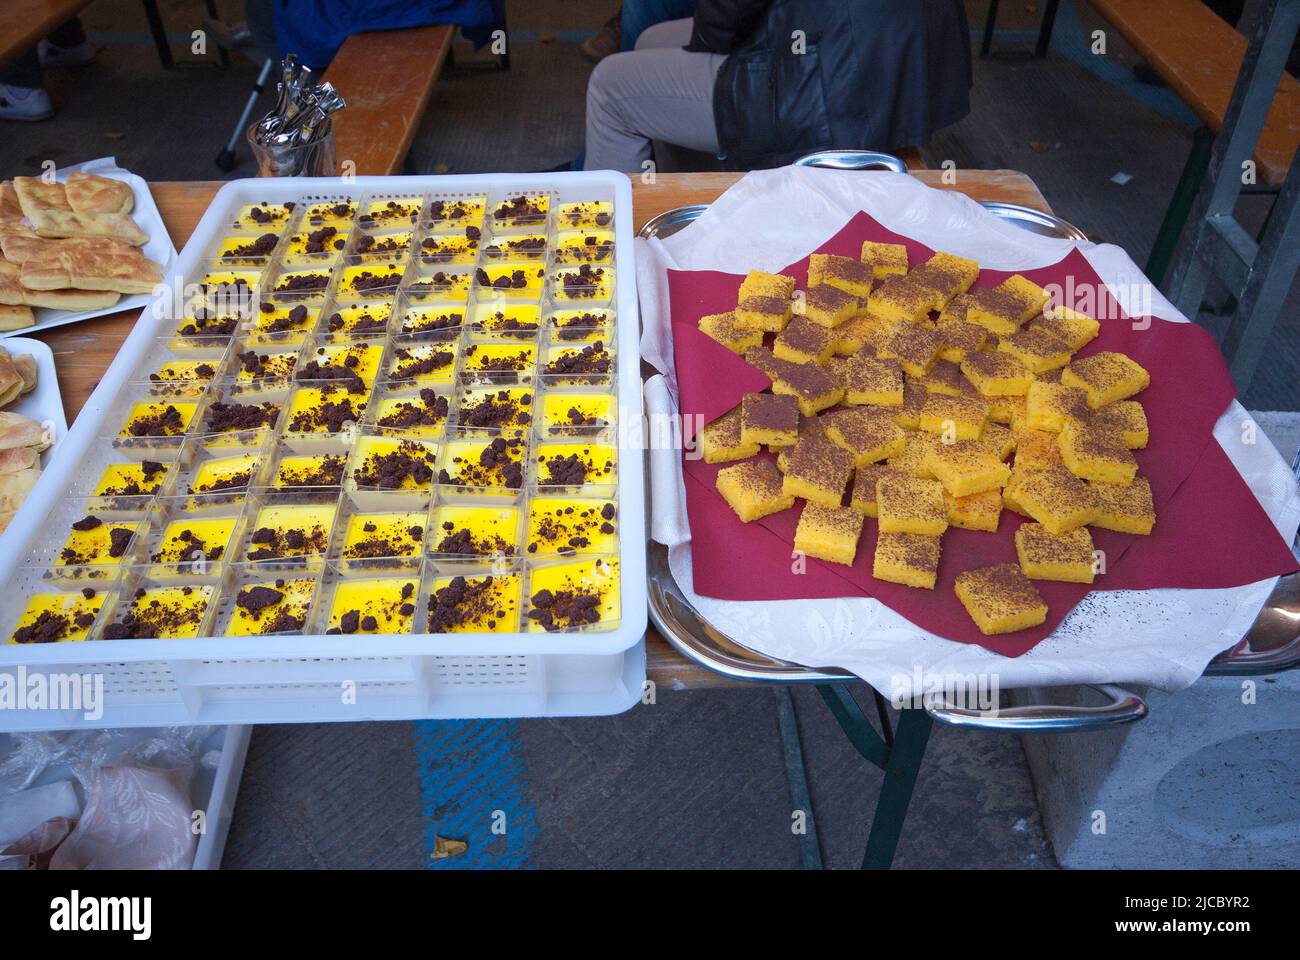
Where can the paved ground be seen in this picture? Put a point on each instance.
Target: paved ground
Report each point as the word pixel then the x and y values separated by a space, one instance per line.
pixel 697 779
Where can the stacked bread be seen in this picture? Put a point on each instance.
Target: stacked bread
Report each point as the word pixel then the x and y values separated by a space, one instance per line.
pixel 22 439
pixel 69 246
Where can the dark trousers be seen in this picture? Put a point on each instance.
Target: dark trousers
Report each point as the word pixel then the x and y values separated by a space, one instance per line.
pixel 26 70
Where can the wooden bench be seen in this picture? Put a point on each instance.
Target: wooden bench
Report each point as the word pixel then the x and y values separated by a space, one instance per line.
pixel 23 23
pixel 1199 55
pixel 386 77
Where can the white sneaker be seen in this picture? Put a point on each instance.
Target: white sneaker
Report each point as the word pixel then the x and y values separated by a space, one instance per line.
pixel 24 103
pixel 52 56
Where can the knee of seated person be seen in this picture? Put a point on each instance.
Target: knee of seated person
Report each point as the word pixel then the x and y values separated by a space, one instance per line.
pixel 599 83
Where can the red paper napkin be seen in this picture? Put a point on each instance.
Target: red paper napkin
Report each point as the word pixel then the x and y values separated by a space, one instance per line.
pixel 1210 530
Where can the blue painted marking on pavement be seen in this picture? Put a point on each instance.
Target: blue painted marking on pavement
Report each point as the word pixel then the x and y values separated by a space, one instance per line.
pixel 468 770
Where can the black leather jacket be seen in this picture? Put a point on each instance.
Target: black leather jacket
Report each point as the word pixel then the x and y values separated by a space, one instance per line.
pixel 804 75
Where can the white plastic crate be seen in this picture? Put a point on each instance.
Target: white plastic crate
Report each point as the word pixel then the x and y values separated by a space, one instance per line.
pixel 323 677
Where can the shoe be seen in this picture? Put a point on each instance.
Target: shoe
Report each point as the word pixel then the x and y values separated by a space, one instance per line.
pixel 609 40
pixel 78 56
pixel 24 103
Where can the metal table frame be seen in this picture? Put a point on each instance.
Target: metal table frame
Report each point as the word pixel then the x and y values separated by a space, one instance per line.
pixel 898 749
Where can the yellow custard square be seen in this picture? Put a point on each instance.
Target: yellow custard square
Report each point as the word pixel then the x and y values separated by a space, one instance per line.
pixel 817 470
pixel 449 248
pixel 724 328
pixel 423 364
pixel 863 495
pixel 765 314
pixel 202 327
pixel 1124 419
pixel 187 371
pixel 57 617
pixel 371 280
pixel 514 321
pixel 488 604
pixel 803 341
pixel 195 543
pixel 469 531
pixel 869 434
pixel 914 345
pixel 828 306
pixel 576 414
pixel 580 596
pixel 901 299
pixel 339 361
pixel 953 418
pixel 442 287
pixel 496 463
pixel 886 259
pixel 965 467
pixel 387 247
pixel 499 359
pixel 422 415
pixel 271 607
pixel 253 366
pixel 455 213
pixel 829 533
pixel 329 211
pixel 1037 350
pixel 323 470
pixel 332 408
pixel 1106 377
pixel 1050 406
pixel 996 374
pixel 911 559
pixel 1125 507
pixel 390 211
pixel 263 216
pixel 280 531
pixel 131 479
pixel 393 463
pixel 976 511
pixel 522 247
pixel 585 213
pixel 723 439
pixel 1057 499
pixel 523 210
pixel 579 365
pixel 1045 555
pixel 159 419
pixel 511 281
pixel 319 245
pixel 585 326
pixel 870 380
pixel 844 273
pixel 586 284
pixel 912 461
pixel 1000 599
pixel 911 505
pixel 584 246
pixel 438 321
pixel 1094 455
pixel 1075 328
pixel 753 489
pixel 769 418
pixel 310 281
pixel 1005 308
pixel 496 409
pixel 575 464
pixel 283 323
pixel 170 613
pixel 358 320
pixel 1037 449
pixel 571 524
pixel 384 605
pixel 373 535
pixel 856 335
pixel 760 284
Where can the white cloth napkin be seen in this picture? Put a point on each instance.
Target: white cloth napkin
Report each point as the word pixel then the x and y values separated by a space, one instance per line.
pixel 1163 638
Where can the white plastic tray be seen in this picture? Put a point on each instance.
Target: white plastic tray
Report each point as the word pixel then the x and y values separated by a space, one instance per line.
pixel 145 213
pixel 286 679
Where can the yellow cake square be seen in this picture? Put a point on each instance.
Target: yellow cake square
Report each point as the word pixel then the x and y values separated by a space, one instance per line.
pixel 912 460
pixel 911 505
pixel 947 275
pixel 869 380
pixel 1125 507
pixel 869 434
pixel 863 496
pixel 829 533
pixel 976 511
pixel 828 306
pixel 1057 499
pixel 1094 455
pixel 753 489
pixel 914 345
pixel 723 440
pixel 757 283
pixel 817 470
pixel 908 415
pixel 886 259
pixel 1037 449
pixel 1075 328
pixel 953 418
pixel 1045 555
pixel 965 467
pixel 765 314
pixel 1124 419
pixel 1009 410
pixel 856 335
pixel 911 559
pixel 945 377
pixel 803 341
pixel 997 440
pixel 815 387
pixel 996 374
pixel 1106 377
pixel 845 273
pixel 769 418
pixel 1003 309
pixel 1037 350
pixel 1050 406
pixel 724 328
pixel 1000 599
pixel 900 299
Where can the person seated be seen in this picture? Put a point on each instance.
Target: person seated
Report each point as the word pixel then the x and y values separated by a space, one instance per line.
pixel 760 83
pixel 22 84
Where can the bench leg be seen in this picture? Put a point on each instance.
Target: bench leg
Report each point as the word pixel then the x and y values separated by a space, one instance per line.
pixel 1180 206
pixel 1045 29
pixel 990 21
pixel 159 33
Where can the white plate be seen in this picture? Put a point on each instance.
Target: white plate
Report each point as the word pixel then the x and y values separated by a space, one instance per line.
pixel 45 403
pixel 145 213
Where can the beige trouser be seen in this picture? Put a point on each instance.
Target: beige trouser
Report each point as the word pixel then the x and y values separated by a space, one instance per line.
pixel 656 92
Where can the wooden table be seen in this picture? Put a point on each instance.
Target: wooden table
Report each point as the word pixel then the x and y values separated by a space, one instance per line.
pixel 83 351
